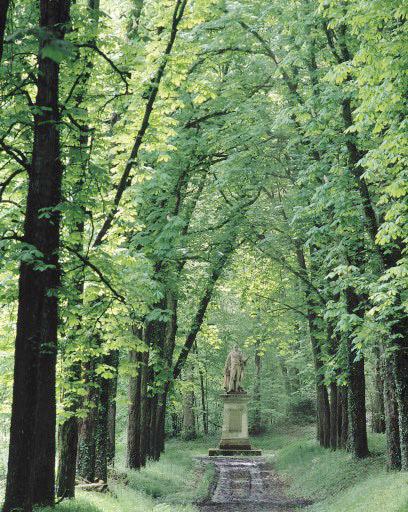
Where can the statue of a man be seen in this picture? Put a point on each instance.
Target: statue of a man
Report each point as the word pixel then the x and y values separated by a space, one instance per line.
pixel 234 371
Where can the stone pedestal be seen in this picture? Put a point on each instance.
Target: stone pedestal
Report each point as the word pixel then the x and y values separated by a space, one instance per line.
pixel 234 436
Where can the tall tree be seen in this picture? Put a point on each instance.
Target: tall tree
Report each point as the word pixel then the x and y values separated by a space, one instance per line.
pixel 31 466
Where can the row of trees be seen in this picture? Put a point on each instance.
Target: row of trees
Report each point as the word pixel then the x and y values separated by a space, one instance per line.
pixel 154 151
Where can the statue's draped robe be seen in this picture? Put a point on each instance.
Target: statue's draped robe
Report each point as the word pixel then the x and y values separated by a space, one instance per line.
pixel 234 371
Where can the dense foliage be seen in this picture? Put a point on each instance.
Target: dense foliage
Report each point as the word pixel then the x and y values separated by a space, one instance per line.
pixel 177 176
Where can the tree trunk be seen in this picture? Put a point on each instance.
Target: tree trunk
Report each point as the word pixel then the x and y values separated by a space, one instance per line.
pixel 134 414
pixel 356 406
pixel 144 409
pixel 378 414
pixel 87 430
pixel 101 427
pixel 154 404
pixel 68 442
pixel 334 422
pixel 113 385
pixel 4 6
pixel 203 402
pixel 31 466
pixel 323 415
pixel 400 368
pixel 356 396
pixel 322 397
pixel 160 426
pixel 256 399
pixel 189 427
pixel 342 417
pixel 391 417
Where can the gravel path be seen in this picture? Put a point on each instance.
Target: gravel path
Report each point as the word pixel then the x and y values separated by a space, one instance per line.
pixel 247 485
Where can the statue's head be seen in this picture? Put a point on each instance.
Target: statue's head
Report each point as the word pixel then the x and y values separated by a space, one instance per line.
pixel 236 348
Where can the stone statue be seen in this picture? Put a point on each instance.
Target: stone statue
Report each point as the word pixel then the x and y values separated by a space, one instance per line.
pixel 234 371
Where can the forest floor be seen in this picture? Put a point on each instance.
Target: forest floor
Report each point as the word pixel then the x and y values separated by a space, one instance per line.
pixel 247 485
pixel 298 469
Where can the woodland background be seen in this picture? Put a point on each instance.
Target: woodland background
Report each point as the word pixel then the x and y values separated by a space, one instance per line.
pixel 180 176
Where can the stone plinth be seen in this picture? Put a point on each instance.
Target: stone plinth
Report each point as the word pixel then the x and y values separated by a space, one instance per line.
pixel 234 436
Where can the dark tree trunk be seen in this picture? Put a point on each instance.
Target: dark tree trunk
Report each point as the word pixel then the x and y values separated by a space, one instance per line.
pixel 154 404
pixel 87 430
pixel 204 411
pixel 358 443
pixel 334 422
pixel 4 6
pixel 144 409
pixel 323 415
pixel 31 466
pixel 203 402
pixel 101 428
pixel 356 404
pixel 389 258
pixel 378 413
pixel 160 426
pixel 400 330
pixel 134 414
pixel 256 427
pixel 322 397
pixel 113 388
pixel 68 442
pixel 342 417
pixel 391 417
pixel 68 430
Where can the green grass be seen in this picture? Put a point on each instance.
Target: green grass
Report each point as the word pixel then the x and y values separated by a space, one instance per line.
pixel 333 480
pixel 337 482
pixel 171 485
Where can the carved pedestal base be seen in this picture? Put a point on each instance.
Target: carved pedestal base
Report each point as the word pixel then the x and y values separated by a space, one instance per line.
pixel 234 437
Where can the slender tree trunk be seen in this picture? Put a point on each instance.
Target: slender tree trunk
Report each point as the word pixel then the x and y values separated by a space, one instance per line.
pixel 101 428
pixel 334 422
pixel 144 409
pixel 322 397
pixel 401 385
pixel 356 405
pixel 189 427
pixel 31 466
pixel 154 403
pixel 356 396
pixel 391 417
pixel 68 446
pixel 113 388
pixel 203 402
pixel 257 419
pixel 4 6
pixel 378 413
pixel 134 415
pixel 342 417
pixel 69 429
pixel 68 442
pixel 87 430
pixel 160 426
